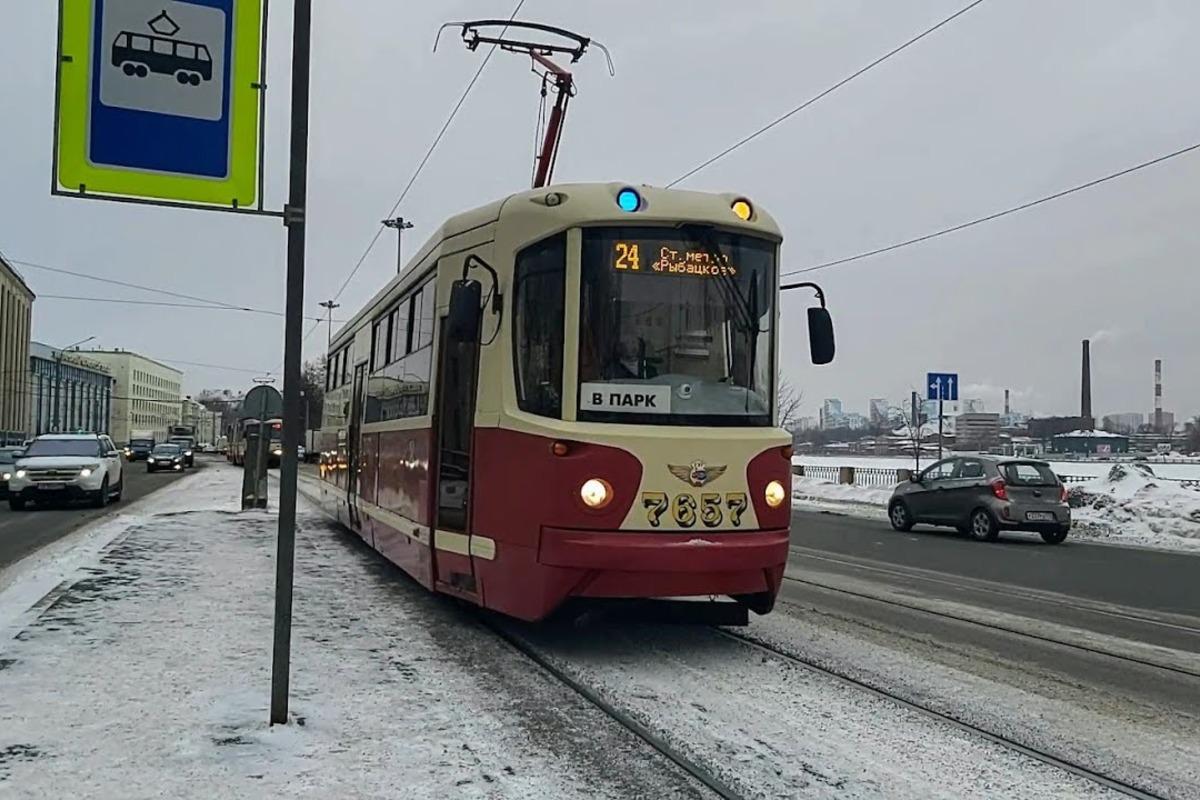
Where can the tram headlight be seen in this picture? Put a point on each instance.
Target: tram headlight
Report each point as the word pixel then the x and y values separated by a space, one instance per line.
pixel 596 493
pixel 774 494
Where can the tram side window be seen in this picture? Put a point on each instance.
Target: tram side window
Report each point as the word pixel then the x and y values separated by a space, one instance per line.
pixel 538 326
pixel 400 388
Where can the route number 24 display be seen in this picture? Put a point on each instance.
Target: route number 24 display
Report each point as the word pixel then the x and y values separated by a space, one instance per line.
pixel 685 510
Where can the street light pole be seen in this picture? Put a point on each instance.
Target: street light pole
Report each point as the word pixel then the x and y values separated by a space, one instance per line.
pixel 400 225
pixel 329 306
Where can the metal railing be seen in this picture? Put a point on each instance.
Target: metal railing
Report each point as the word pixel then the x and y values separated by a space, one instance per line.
pixel 887 477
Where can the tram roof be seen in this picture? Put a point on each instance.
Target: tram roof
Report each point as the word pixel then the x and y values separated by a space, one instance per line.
pixel 586 203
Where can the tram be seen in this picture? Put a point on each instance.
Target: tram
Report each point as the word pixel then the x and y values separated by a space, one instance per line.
pixel 570 394
pixel 248 428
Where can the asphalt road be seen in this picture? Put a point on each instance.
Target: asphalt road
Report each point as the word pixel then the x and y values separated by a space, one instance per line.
pixel 1154 581
pixel 23 532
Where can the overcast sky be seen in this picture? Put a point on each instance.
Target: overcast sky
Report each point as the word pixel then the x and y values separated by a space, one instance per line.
pixel 1014 100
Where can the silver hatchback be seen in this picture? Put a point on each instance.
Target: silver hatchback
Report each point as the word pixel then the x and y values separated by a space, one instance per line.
pixel 982 495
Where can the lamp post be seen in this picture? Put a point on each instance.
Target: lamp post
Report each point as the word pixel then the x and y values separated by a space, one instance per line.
pixel 329 306
pixel 58 359
pixel 399 225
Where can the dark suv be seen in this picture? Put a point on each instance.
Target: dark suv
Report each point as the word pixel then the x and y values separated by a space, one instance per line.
pixel 982 495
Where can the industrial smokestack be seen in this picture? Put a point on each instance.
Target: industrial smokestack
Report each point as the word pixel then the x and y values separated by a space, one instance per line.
pixel 1007 408
pixel 1085 400
pixel 1158 415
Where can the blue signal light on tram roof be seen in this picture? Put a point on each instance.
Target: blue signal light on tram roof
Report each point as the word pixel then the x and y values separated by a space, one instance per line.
pixel 629 200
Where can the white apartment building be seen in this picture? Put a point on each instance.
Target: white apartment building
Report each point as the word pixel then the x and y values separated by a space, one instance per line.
pixel 146 394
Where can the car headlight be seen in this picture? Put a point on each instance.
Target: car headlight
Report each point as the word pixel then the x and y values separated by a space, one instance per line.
pixel 774 494
pixel 278 452
pixel 86 472
pixel 596 493
pixel 6 476
pixel 187 452
pixel 150 459
pixel 20 473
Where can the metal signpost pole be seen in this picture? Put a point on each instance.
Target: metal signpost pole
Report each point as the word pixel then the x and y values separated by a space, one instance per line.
pixel 916 423
pixel 941 391
pixel 292 342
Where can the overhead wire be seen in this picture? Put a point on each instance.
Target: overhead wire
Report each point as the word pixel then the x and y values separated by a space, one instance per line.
pixel 996 215
pixel 747 139
pixel 420 166
pixel 219 305
pixel 164 304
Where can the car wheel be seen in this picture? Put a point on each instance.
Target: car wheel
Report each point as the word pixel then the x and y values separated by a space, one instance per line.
pixel 116 497
pixel 900 517
pixel 129 69
pixel 101 498
pixel 983 526
pixel 16 503
pixel 1054 537
pixel 142 71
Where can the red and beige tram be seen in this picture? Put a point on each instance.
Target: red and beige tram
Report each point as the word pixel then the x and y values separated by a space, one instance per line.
pixel 569 393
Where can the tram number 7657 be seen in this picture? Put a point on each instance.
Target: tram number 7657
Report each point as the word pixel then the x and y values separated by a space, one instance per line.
pixel 685 510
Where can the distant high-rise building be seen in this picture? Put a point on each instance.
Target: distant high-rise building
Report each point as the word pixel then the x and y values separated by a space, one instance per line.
pixel 831 413
pixel 973 405
pixel 977 431
pixel 878 411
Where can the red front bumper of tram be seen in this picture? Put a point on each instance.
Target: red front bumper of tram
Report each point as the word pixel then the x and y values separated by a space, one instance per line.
pixel 530 583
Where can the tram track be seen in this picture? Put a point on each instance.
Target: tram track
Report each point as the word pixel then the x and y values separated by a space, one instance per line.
pixel 1009 629
pixel 1037 754
pixel 610 710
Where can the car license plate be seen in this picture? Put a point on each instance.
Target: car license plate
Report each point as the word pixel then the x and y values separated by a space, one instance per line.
pixel 50 485
pixel 1039 516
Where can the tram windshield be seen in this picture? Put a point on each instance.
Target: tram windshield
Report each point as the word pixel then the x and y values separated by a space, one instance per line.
pixel 675 328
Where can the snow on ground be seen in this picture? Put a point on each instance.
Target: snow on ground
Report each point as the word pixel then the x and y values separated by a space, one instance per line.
pixel 1176 471
pixel 1129 738
pixel 1131 503
pixel 1131 509
pixel 146 673
pixel 772 729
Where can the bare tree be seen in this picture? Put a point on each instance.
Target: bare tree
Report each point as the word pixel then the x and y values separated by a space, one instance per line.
pixel 911 433
pixel 788 399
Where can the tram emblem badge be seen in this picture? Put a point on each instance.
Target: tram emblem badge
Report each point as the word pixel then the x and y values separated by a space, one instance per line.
pixel 697 473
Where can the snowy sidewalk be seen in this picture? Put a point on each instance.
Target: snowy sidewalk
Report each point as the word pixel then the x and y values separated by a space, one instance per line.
pixel 135 663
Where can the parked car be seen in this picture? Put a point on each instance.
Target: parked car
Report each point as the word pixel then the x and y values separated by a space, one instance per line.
pixel 8 461
pixel 61 466
pixel 166 456
pixel 982 496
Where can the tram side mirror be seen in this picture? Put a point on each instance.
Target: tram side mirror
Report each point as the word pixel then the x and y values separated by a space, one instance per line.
pixel 820 335
pixel 462 321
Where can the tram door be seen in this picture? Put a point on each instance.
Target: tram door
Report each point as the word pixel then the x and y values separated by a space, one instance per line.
pixel 458 372
pixel 354 446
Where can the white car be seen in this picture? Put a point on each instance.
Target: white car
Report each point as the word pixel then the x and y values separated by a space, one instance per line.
pixel 60 466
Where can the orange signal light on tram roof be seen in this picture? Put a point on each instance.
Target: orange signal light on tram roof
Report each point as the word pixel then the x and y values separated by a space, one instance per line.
pixel 742 209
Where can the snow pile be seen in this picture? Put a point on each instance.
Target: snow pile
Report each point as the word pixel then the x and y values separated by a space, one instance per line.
pixel 1132 504
pixel 867 501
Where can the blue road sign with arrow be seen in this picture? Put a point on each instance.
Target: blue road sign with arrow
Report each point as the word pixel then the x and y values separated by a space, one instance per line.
pixel 942 386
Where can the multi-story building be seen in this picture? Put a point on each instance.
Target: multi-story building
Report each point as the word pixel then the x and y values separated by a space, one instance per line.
pixel 146 394
pixel 16 304
pixel 977 431
pixel 67 392
pixel 203 422
pixel 878 411
pixel 831 414
pixel 1123 423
